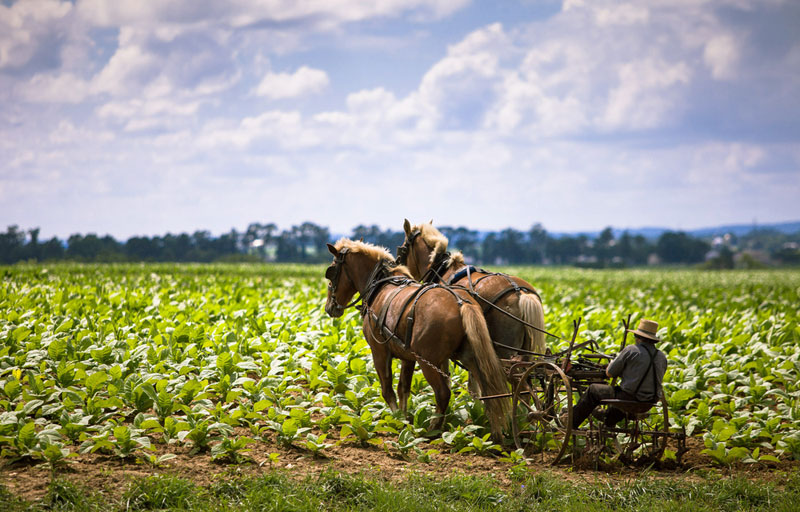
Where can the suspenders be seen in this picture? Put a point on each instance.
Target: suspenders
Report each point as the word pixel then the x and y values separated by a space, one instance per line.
pixel 652 370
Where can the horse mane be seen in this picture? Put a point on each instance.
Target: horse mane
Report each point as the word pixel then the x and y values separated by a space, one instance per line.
pixel 402 270
pixel 373 251
pixel 456 259
pixel 433 238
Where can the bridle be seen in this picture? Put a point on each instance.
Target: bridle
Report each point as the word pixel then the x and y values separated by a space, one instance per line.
pixel 403 250
pixel 377 278
pixel 435 270
pixel 333 273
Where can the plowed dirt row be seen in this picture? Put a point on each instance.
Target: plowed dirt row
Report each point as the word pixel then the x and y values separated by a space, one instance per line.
pixel 111 475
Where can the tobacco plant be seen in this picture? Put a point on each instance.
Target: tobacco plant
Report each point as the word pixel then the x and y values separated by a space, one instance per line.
pixel 116 358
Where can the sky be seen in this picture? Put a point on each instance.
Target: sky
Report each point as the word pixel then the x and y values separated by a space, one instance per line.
pixel 154 116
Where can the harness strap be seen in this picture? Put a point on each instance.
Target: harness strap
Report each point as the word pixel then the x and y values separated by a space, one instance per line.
pixel 375 281
pixel 652 370
pixel 381 318
pixel 385 331
pixel 416 297
pixel 410 320
pixel 516 288
pixel 461 274
pixel 513 286
pixel 437 269
pixel 492 303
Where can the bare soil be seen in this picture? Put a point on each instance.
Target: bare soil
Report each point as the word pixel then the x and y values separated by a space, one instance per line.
pixel 111 476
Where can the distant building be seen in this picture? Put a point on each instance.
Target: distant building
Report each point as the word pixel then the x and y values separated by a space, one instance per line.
pixel 746 257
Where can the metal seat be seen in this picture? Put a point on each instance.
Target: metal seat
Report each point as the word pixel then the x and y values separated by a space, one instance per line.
pixel 632 408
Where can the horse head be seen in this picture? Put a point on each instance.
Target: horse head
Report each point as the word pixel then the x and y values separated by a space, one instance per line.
pixel 422 246
pixel 349 274
pixel 341 287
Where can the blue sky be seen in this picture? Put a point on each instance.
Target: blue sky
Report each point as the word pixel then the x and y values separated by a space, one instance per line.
pixel 147 117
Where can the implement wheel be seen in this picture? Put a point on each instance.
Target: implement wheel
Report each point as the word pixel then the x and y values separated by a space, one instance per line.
pixel 542 405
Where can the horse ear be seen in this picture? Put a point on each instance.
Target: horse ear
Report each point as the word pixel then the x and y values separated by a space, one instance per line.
pixel 431 222
pixel 332 249
pixel 361 239
pixel 407 226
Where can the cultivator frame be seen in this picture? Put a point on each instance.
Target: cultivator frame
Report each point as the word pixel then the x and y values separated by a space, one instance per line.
pixel 543 391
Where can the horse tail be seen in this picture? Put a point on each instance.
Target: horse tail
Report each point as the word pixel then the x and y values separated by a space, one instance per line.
pixel 491 376
pixel 531 310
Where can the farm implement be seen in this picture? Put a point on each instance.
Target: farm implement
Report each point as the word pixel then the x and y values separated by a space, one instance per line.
pixel 545 389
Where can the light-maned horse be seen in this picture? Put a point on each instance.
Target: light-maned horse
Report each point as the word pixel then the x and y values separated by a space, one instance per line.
pixel 424 253
pixel 415 323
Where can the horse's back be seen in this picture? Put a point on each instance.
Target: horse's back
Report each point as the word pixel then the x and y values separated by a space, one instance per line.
pixel 430 311
pixel 502 296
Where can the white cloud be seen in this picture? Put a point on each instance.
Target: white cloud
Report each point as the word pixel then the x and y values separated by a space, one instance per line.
pixel 54 88
pixel 67 133
pixel 545 93
pixel 724 169
pixel 147 107
pixel 170 95
pixel 457 89
pixel 721 54
pixel 129 70
pixel 25 27
pixel 642 99
pixel 315 14
pixel 621 14
pixel 302 82
pixel 271 129
pixel 188 62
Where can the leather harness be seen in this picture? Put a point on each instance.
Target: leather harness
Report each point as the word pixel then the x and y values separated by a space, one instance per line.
pixel 441 263
pixel 378 279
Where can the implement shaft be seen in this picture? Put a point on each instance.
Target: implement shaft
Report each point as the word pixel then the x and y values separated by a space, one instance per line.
pixel 504 395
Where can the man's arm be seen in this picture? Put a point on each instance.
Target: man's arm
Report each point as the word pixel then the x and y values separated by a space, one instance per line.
pixel 614 368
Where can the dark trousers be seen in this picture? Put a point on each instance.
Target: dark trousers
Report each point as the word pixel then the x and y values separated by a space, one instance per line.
pixel 592 398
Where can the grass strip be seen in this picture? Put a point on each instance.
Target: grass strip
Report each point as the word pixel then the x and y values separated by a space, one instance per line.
pixel 335 491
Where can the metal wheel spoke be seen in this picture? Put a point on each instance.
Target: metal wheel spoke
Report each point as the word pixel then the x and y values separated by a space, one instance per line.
pixel 537 426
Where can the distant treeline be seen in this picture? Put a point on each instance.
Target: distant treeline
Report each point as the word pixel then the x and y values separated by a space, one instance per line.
pixel 306 244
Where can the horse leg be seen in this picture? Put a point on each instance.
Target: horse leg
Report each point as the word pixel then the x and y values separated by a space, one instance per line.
pixel 404 383
pixel 383 366
pixel 441 392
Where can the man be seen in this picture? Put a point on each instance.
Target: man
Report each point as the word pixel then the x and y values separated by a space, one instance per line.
pixel 641 367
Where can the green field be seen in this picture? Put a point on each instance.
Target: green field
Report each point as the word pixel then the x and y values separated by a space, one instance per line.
pixel 133 362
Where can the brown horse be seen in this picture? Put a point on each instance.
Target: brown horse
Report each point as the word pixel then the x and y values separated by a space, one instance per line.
pixel 415 323
pixel 501 296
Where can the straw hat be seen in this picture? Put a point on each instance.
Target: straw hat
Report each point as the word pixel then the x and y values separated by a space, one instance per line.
pixel 647 329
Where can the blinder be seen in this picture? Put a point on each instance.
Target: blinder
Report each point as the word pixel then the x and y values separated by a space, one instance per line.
pixel 403 250
pixel 332 272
